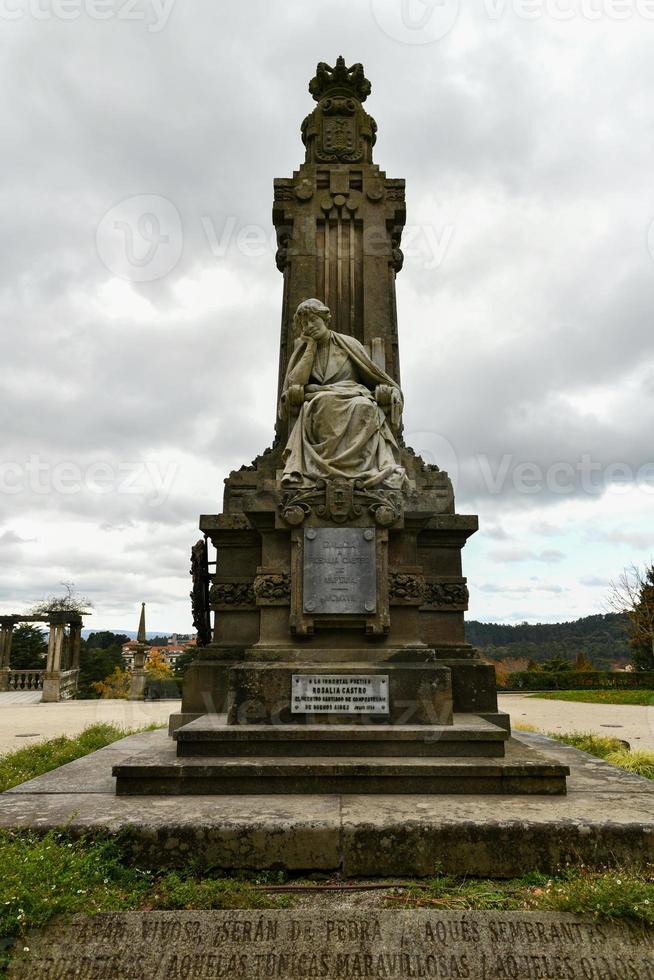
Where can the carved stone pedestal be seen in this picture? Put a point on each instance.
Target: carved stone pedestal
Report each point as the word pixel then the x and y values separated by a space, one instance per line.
pixel 337 595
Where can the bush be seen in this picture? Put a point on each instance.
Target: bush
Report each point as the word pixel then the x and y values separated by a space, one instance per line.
pixel 116 685
pixel 590 680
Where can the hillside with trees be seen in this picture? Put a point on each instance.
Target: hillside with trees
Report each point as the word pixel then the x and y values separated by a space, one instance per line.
pixel 601 640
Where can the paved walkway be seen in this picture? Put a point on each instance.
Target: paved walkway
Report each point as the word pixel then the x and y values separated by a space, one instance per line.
pixel 22 724
pixel 19 697
pixel 634 723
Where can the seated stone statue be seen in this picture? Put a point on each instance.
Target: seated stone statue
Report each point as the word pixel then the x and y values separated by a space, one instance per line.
pixel 347 408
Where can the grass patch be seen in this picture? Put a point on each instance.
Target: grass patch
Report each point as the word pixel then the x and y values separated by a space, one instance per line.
pixel 626 895
pixel 44 876
pixel 185 891
pixel 599 697
pixel 601 746
pixel 612 750
pixel 33 760
pixel 639 761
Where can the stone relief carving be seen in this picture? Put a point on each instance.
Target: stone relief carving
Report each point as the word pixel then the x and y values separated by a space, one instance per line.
pixel 231 594
pixel 272 586
pixel 406 586
pixel 199 592
pixel 341 500
pixel 449 595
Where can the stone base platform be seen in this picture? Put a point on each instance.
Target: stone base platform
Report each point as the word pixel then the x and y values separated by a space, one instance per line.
pixel 607 818
pixel 216 758
pixel 470 735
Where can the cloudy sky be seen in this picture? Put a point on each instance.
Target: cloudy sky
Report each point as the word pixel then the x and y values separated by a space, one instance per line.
pixel 140 301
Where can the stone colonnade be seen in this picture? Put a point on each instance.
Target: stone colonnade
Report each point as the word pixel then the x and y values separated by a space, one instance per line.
pixel 59 680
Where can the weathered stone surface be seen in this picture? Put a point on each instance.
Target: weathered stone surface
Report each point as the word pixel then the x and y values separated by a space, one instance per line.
pixel 419 694
pixel 336 945
pixel 606 818
pixel 467 736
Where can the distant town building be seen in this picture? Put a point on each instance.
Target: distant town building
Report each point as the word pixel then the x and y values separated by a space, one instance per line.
pixel 169 653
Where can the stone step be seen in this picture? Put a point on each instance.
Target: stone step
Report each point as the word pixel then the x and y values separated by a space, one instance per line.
pixel 469 736
pixel 526 772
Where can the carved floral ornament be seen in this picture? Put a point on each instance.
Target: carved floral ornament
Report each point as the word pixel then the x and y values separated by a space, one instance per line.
pixel 447 595
pixel 266 588
pixel 272 586
pixel 231 594
pixel 406 587
pixel 341 500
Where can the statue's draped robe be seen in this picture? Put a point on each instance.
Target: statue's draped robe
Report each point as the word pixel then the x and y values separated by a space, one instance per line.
pixel 341 431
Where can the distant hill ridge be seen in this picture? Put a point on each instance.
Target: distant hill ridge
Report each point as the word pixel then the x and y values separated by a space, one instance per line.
pixel 601 638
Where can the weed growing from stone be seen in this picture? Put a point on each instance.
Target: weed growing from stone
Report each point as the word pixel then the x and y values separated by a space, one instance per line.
pixel 181 891
pixel 610 894
pixel 46 875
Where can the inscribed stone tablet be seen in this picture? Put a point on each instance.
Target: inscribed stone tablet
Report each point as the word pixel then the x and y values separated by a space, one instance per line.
pixel 340 574
pixel 350 695
pixel 336 943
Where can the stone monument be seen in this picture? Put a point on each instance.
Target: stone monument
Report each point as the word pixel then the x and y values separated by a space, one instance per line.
pixel 332 655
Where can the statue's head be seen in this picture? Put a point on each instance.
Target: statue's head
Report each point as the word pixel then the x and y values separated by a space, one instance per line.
pixel 312 317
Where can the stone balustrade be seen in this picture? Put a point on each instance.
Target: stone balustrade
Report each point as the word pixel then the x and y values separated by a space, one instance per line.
pixel 26 680
pixel 68 685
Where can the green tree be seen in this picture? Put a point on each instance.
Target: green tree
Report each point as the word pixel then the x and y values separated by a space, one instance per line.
pixel 556 665
pixel 582 662
pixel 28 648
pixel 116 685
pixel 104 639
pixel 96 663
pixel 633 593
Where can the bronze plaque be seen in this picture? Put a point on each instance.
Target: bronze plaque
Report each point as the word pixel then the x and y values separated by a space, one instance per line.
pixel 340 571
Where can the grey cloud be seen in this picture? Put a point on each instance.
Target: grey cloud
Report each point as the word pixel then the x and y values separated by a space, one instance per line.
pixel 545 292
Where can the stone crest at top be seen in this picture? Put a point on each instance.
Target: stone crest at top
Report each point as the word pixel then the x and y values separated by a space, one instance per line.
pixel 340 80
pixel 339 130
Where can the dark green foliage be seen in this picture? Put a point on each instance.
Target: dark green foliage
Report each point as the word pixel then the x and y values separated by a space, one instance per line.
pixel 105 639
pixel 602 639
pixel 28 647
pixel 96 663
pixel 555 665
pixel 158 641
pixel 540 680
pixel 642 625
